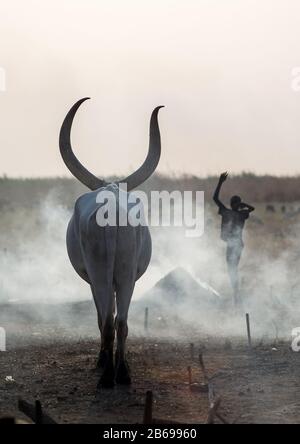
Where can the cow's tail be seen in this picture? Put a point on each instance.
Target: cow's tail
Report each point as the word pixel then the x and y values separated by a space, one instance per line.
pixel 110 234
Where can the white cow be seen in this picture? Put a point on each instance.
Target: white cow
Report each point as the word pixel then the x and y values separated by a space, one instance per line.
pixel 109 258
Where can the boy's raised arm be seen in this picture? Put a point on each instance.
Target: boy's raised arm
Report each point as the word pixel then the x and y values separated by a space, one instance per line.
pixel 222 179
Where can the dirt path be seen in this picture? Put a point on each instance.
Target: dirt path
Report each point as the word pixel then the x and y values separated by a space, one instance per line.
pixel 258 386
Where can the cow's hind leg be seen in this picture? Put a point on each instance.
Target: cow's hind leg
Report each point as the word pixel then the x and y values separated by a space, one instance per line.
pixel 102 357
pixel 108 373
pixel 104 301
pixel 123 298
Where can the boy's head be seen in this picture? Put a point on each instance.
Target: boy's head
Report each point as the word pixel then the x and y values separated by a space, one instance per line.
pixel 235 202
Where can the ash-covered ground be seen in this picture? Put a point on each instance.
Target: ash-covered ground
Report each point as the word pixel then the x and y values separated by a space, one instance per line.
pixel 53 340
pixel 56 365
pixel 261 385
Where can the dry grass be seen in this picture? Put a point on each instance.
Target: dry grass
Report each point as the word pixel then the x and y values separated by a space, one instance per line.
pixel 14 192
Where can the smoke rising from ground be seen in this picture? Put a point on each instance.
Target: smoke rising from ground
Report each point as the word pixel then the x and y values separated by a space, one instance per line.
pixel 34 268
pixel 34 263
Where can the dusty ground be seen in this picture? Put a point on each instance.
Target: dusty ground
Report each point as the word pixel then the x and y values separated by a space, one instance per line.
pixel 53 364
pixel 262 386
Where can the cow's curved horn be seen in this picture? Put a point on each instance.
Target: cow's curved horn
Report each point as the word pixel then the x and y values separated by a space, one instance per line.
pixel 153 156
pixel 71 161
pixel 93 182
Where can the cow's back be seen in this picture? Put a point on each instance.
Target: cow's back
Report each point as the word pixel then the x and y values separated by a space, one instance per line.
pixel 124 250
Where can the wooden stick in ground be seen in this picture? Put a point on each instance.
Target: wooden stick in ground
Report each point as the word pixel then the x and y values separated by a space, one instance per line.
pixel 148 408
pixel 248 330
pixel 38 413
pixel 206 378
pixel 189 375
pixel 213 404
pixel 213 411
pixel 31 411
pixel 211 392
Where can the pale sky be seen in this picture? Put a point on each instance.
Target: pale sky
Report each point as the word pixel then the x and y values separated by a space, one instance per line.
pixel 222 68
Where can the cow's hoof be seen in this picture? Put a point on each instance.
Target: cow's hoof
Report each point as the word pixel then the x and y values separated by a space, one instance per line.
pixel 102 359
pixel 123 374
pixel 123 379
pixel 106 382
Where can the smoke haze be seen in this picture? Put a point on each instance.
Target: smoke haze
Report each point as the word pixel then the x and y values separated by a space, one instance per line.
pixel 35 269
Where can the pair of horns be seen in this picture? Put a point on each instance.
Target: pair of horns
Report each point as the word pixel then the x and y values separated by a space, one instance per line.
pixel 93 182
